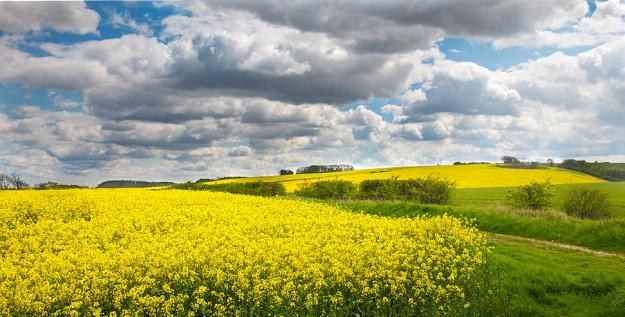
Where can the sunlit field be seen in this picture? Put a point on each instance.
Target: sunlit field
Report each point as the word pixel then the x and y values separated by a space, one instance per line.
pixel 169 252
pixel 465 176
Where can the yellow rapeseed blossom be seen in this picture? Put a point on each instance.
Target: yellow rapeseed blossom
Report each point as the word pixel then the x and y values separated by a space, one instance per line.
pixel 127 252
pixel 465 176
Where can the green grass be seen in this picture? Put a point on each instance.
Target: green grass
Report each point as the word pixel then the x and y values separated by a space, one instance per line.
pixel 494 197
pixel 556 282
pixel 607 235
pixel 538 280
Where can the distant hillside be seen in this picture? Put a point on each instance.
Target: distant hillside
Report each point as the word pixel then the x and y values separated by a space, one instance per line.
pixel 131 184
pixel 465 176
pixel 606 170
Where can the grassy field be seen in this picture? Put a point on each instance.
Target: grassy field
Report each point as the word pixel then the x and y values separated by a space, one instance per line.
pixel 494 197
pixel 465 176
pixel 607 235
pixel 557 282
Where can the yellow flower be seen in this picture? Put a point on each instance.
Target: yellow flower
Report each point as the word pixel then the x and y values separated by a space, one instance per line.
pixel 127 252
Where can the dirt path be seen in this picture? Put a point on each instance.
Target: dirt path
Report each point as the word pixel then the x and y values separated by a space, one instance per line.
pixel 544 243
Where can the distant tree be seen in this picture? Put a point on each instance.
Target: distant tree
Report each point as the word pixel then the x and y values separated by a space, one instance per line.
pixel 13 181
pixel 550 162
pixel 17 182
pixel 4 181
pixel 286 172
pixel 510 160
pixel 55 185
pixel 324 168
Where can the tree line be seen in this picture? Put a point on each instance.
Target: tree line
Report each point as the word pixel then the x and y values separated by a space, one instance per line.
pixel 12 181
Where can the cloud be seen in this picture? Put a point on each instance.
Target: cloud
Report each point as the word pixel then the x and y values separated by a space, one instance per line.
pixel 124 20
pixel 248 57
pixel 240 151
pixel 242 88
pixel 605 24
pixel 402 26
pixel 71 16
pixel 457 87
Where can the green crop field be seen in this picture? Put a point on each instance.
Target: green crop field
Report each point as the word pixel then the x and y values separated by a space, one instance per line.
pixel 465 176
pixel 494 197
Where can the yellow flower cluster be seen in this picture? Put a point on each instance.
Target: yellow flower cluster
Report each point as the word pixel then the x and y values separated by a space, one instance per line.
pixel 169 252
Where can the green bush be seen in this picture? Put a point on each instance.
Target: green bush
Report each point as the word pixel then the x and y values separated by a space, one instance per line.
pixel 333 189
pixel 584 202
pixel 430 190
pixel 250 188
pixel 532 196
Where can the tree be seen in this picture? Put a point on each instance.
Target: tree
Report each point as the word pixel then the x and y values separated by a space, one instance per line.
pixel 13 181
pixel 510 160
pixel 4 181
pixel 17 182
pixel 286 172
pixel 550 161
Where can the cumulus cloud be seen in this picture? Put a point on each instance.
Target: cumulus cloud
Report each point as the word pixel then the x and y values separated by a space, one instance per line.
pixel 245 88
pixel 605 24
pixel 400 25
pixel 458 87
pixel 71 16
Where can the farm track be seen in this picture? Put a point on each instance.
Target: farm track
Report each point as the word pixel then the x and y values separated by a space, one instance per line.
pixel 550 244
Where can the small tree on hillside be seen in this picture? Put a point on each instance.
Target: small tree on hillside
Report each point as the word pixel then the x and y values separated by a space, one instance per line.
pixel 510 160
pixel 286 172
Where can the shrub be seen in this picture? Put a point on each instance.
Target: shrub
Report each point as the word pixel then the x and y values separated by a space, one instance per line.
pixel 533 196
pixel 430 190
pixel 250 188
pixel 333 189
pixel 286 172
pixel 586 202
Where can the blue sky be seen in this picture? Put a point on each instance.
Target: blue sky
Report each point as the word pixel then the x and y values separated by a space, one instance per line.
pixel 185 90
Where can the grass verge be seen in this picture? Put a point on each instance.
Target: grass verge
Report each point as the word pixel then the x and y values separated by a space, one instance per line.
pixel 606 235
pixel 554 282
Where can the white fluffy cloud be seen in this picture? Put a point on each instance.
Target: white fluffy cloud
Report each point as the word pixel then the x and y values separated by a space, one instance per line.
pixel 243 87
pixel 70 16
pixel 607 23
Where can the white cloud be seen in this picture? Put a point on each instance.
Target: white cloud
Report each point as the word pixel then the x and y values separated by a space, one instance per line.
pixel 241 91
pixel 606 24
pixel 71 16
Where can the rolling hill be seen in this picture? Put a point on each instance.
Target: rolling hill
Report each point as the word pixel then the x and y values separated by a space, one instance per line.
pixel 465 176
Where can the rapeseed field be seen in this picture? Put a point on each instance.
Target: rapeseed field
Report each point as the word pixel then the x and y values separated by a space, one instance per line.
pixel 465 176
pixel 169 252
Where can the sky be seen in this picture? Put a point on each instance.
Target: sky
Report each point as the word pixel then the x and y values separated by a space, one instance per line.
pixel 181 90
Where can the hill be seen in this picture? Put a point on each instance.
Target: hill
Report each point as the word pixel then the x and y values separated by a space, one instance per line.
pixel 131 184
pixel 606 170
pixel 465 176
